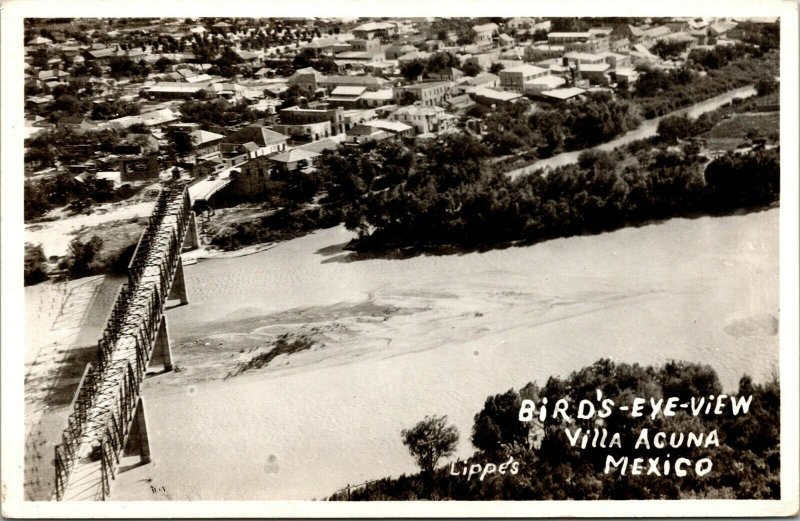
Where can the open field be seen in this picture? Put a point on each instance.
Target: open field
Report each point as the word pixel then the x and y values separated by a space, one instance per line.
pixel 738 126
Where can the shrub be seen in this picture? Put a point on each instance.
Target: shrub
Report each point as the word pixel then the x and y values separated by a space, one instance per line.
pixel 35 264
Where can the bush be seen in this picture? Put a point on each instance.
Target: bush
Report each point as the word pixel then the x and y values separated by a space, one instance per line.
pixel 81 259
pixel 35 264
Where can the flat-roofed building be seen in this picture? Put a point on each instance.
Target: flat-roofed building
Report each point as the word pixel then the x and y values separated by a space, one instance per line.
pixel 346 97
pixel 376 98
pixel 430 93
pixel 484 34
pixel 594 71
pixel 300 116
pixel 542 83
pixel 423 118
pixel 487 96
pixel 563 94
pixel 543 51
pixel 173 90
pixel 306 131
pixel 514 79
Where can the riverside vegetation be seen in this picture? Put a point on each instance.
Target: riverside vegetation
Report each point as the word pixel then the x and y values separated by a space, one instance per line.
pixel 451 192
pixel 746 462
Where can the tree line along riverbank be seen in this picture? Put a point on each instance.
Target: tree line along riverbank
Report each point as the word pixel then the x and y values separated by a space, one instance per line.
pixel 744 453
pixel 458 214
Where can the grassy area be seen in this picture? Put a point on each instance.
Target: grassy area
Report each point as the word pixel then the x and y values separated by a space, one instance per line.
pixel 119 240
pixel 740 125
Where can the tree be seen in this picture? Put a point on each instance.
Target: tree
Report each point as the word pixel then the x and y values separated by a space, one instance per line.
pixel 35 270
pixel 767 86
pixel 673 128
pixel 471 68
pixel 430 440
pixel 122 66
pixel 183 143
pixel 40 57
pixel 162 64
pixel 669 49
pixel 413 69
pixel 496 68
pixel 82 256
pixel 497 425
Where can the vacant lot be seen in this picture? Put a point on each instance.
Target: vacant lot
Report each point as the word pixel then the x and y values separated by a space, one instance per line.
pixel 766 124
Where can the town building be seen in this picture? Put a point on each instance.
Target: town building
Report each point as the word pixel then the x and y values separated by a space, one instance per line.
pixel 294 116
pixel 372 30
pixel 430 93
pixel 263 140
pixel 514 79
pixel 484 34
pixel 424 118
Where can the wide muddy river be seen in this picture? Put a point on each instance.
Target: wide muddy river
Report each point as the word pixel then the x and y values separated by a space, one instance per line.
pixel 399 339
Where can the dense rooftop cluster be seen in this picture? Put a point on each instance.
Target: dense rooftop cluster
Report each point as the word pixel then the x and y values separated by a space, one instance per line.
pixel 174 97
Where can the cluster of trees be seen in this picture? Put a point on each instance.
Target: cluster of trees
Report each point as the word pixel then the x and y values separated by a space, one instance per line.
pixel 46 148
pixel 124 67
pixel 667 49
pixel 219 112
pixel 48 192
pixel 309 58
pixel 719 56
pixel 435 64
pixel 746 465
pixel 766 37
pixel 569 126
pixel 227 63
pixel 114 108
pixel 659 92
pixel 442 195
pixel 599 118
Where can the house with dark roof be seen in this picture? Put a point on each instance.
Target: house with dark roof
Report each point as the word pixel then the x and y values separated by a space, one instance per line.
pixel 308 79
pixel 320 145
pixel 294 159
pixel 257 140
pixel 205 144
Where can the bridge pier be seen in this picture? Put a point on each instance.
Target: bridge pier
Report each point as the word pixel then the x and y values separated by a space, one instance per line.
pixel 178 288
pixel 192 239
pixel 162 350
pixel 138 440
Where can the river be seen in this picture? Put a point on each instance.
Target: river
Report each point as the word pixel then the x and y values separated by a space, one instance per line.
pixel 400 339
pixel 646 129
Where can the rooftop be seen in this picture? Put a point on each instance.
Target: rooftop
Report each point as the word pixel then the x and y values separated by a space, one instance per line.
pixel 294 155
pixel 201 137
pixel 526 70
pixel 499 95
pixel 563 94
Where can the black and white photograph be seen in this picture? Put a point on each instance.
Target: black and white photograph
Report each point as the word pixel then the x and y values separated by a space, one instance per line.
pixel 368 263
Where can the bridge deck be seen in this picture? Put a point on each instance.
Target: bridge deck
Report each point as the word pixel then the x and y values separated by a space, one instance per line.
pixel 84 480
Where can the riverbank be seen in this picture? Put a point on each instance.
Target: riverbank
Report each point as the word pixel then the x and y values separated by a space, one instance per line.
pixel 399 339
